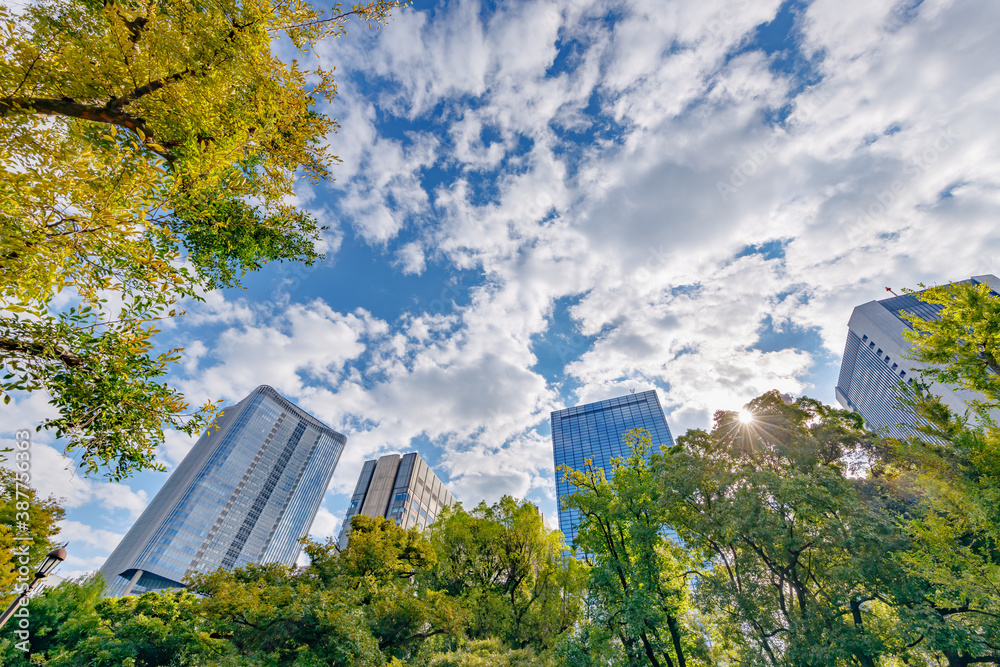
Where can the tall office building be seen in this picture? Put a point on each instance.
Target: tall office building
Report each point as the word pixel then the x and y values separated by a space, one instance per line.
pixel 594 431
pixel 246 493
pixel 875 360
pixel 401 488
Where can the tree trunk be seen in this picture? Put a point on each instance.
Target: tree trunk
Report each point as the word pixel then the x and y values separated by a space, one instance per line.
pixel 675 636
pixel 862 656
pixel 651 654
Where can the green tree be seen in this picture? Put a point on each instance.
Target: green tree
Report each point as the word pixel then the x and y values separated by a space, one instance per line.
pixel 106 380
pixel 384 564
pixel 148 152
pixel 359 606
pixel 509 571
pixel 60 618
pixel 23 513
pixel 490 653
pixel 787 515
pixel 271 616
pixel 961 346
pixel 950 469
pixel 637 583
pixel 71 626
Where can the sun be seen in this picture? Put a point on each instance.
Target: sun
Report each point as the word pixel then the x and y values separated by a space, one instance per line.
pixel 745 416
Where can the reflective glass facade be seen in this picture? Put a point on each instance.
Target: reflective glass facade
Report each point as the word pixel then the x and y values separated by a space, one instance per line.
pixel 246 493
pixel 401 488
pixel 875 361
pixel 594 431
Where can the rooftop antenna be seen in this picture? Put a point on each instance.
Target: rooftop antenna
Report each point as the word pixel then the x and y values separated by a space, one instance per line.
pixel 889 290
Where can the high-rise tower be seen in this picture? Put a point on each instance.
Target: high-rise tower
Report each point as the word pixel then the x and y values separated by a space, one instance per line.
pixel 401 488
pixel 246 493
pixel 875 360
pixel 594 431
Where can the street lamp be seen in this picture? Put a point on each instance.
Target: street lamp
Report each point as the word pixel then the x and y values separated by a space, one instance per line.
pixel 55 557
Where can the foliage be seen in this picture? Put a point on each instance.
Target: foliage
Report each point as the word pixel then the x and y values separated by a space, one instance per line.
pixel 490 653
pixel 270 616
pixel 961 346
pixel 359 606
pixel 955 531
pixel 176 111
pixel 71 626
pixel 592 643
pixel 508 570
pixel 637 586
pixel 950 468
pixel 793 553
pixel 371 604
pixel 149 152
pixel 107 381
pixel 23 513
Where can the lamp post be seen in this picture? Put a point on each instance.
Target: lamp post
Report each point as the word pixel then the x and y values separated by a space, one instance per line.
pixel 55 557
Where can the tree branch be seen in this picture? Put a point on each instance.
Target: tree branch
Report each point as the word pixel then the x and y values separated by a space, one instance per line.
pixel 67 106
pixel 310 24
pixel 39 350
pixel 117 103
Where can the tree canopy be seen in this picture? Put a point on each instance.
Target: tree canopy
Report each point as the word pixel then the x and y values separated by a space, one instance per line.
pixel 509 573
pixel 392 597
pixel 149 152
pixel 23 513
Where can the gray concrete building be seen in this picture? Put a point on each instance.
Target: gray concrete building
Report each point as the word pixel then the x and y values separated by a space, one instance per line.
pixel 247 491
pixel 400 488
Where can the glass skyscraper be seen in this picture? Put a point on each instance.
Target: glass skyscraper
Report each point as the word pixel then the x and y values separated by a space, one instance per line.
pixel 246 493
pixel 400 488
pixel 594 431
pixel 875 361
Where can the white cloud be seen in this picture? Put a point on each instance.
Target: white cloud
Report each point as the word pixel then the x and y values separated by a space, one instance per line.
pixel 303 342
pixel 75 567
pixel 411 258
pixel 635 227
pixel 176 446
pixel 77 533
pixel 520 466
pixel 325 525
pixel 192 355
pixel 54 474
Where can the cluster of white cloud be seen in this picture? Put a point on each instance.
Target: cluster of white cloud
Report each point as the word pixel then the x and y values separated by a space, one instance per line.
pixel 634 167
pixel 630 162
pixel 887 147
pixel 883 171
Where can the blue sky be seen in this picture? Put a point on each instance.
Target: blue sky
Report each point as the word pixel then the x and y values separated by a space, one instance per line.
pixel 546 203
